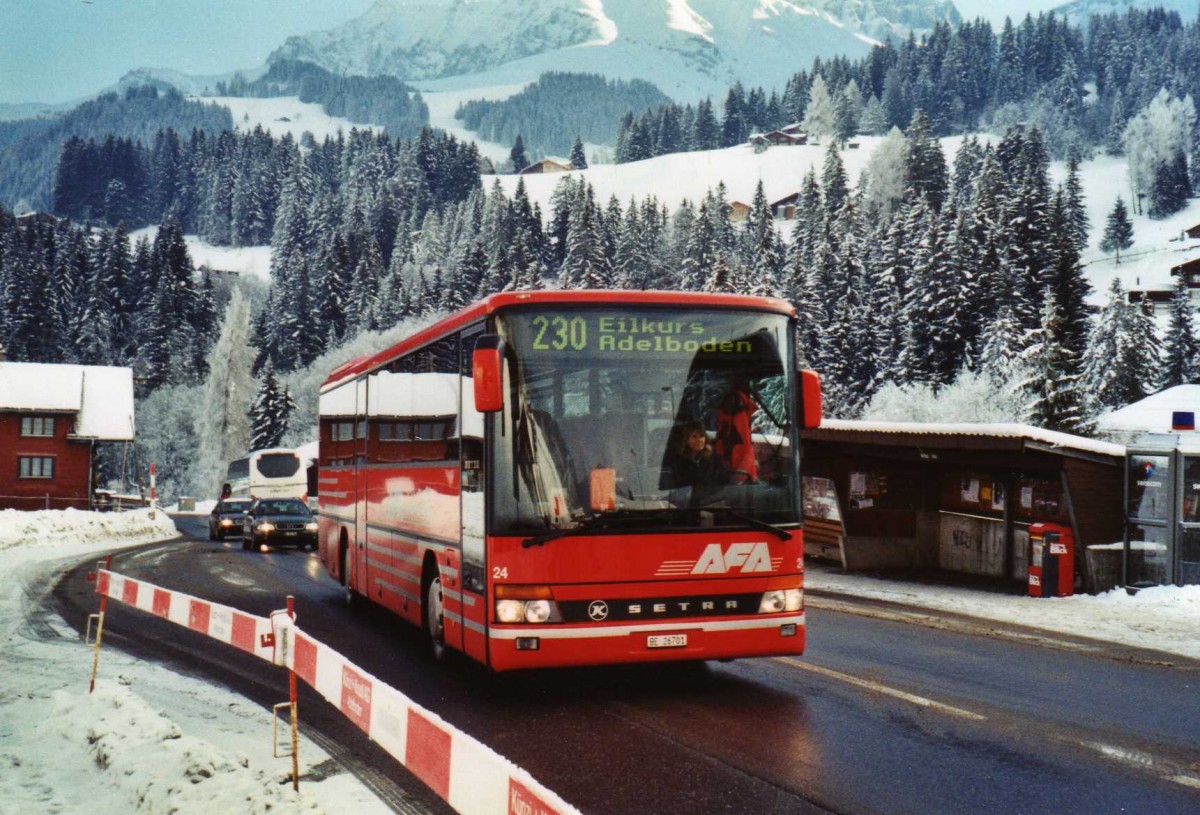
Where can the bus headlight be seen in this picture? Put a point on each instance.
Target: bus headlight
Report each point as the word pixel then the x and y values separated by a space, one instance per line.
pixel 778 600
pixel 526 604
pixel 537 611
pixel 510 611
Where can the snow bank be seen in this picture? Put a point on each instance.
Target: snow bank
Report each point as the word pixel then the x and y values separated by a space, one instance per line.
pixel 112 529
pixel 1164 618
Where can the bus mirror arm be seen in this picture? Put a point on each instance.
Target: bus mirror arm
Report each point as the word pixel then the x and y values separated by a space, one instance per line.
pixel 809 409
pixel 487 371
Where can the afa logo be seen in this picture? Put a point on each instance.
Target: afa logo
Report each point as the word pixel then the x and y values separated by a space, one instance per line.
pixel 744 557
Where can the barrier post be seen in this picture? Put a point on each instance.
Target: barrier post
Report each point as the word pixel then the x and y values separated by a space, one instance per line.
pixel 104 564
pixel 292 697
pixel 153 492
pixel 283 624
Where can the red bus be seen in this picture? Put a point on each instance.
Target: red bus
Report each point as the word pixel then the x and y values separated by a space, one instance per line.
pixel 507 478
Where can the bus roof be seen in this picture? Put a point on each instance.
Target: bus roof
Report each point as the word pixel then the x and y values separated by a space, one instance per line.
pixel 488 305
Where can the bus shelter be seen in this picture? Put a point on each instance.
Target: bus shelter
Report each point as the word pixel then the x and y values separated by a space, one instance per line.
pixel 959 498
pixel 1162 488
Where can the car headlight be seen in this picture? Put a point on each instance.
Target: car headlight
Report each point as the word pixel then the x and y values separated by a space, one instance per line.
pixel 778 600
pixel 266 526
pixel 311 526
pixel 226 522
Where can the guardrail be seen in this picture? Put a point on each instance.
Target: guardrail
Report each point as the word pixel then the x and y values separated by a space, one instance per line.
pixel 468 775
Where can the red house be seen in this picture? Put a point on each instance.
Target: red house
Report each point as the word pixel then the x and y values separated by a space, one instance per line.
pixel 52 417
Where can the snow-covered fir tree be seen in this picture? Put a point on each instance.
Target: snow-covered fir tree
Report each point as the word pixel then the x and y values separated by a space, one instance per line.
pixel 223 426
pixel 1118 230
pixel 270 413
pixel 1181 347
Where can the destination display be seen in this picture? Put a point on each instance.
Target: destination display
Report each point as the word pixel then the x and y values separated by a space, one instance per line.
pixel 607 333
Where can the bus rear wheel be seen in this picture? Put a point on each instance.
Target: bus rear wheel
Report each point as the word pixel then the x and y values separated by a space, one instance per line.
pixel 435 624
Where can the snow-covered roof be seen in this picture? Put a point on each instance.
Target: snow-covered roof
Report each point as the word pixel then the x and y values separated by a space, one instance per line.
pixel 1051 438
pixel 101 396
pixel 1153 414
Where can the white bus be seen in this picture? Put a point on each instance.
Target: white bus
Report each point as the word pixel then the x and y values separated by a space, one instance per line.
pixel 277 472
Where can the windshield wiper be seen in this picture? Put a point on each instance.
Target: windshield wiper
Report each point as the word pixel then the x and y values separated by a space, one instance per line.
pixel 753 522
pixel 615 518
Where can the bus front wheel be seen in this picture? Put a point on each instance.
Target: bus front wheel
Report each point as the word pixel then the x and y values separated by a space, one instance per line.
pixel 351 596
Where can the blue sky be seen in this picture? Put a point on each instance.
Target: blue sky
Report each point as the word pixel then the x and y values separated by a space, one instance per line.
pixel 60 50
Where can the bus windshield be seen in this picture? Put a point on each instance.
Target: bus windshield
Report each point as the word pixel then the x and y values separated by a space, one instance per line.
pixel 628 418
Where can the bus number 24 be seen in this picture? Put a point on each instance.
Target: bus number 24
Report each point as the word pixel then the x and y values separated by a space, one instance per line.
pixel 499 572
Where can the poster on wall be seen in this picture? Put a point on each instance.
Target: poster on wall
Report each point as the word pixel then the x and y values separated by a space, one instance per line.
pixel 1026 497
pixel 820 499
pixel 998 497
pixel 858 485
pixel 970 490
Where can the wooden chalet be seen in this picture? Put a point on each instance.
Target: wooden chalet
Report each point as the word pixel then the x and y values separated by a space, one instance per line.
pixel 785 208
pixel 547 165
pixel 738 211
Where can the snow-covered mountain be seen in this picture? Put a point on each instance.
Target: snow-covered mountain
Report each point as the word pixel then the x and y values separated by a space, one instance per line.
pixel 690 48
pixel 1079 11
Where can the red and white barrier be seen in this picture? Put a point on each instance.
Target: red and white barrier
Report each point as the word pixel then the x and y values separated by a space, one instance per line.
pixel 468 775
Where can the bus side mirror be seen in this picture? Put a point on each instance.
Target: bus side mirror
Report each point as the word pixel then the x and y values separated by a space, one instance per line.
pixel 810 399
pixel 487 370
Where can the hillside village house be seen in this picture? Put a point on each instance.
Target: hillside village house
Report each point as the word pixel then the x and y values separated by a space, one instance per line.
pixel 1159 297
pixel 52 419
pixel 547 166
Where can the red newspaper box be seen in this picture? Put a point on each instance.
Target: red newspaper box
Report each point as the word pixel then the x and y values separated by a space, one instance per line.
pixel 1051 561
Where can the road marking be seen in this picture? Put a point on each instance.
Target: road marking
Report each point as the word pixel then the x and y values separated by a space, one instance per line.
pixel 1142 761
pixel 884 689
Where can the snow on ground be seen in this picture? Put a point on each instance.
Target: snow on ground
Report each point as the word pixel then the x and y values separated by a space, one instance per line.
pixel 253 261
pixel 1164 618
pixel 284 114
pixel 442 105
pixel 148 740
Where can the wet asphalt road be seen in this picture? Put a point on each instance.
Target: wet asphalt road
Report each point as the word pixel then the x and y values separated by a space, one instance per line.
pixel 878 717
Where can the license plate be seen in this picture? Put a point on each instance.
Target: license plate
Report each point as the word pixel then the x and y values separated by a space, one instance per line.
pixel 289 533
pixel 666 641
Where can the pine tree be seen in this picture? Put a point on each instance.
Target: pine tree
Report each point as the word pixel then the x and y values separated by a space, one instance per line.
pixel 224 426
pixel 578 159
pixel 1118 230
pixel 1053 396
pixel 1075 203
pixel 270 414
pixel 925 164
pixel 1120 364
pixel 820 117
pixel 517 157
pixel 1181 360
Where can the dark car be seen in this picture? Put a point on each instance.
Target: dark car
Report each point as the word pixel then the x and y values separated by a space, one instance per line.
pixel 279 522
pixel 227 517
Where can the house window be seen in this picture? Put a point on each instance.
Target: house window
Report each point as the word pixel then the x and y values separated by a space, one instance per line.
pixel 35 467
pixel 37 425
pixel 342 431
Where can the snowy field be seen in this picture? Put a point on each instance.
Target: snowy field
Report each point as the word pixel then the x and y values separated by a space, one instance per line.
pixel 284 114
pixel 148 740
pixel 442 105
